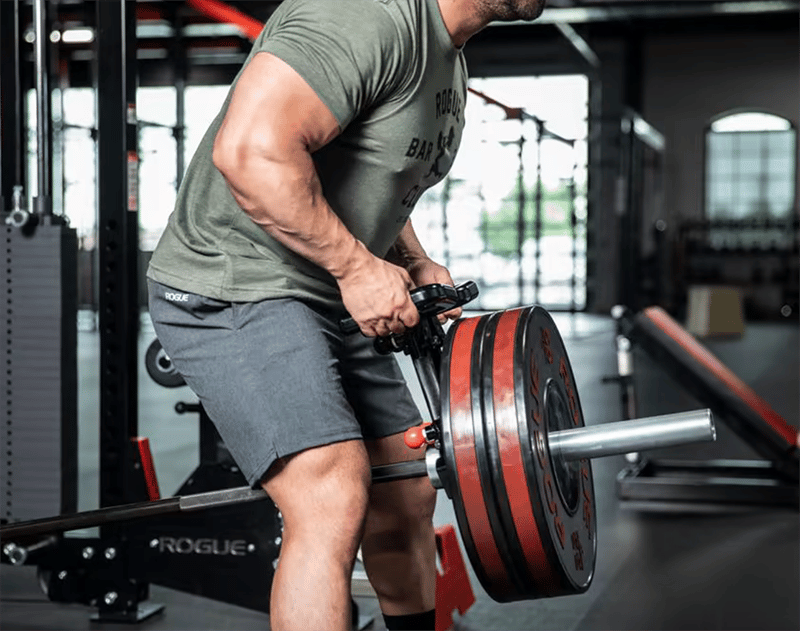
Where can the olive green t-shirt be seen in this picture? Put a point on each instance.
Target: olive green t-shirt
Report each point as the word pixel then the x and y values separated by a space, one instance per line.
pixel 389 73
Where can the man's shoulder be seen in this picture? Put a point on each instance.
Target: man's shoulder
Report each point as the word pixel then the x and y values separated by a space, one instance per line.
pixel 387 16
pixel 364 8
pixel 380 30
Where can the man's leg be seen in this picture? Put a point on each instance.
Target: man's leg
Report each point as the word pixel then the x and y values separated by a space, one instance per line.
pixel 322 494
pixel 399 544
pixel 266 373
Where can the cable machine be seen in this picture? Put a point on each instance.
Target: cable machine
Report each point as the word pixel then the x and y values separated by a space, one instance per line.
pixel 38 280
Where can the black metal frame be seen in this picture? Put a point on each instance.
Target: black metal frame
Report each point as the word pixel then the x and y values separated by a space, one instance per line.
pixel 637 137
pixel 118 241
pixel 12 121
pixel 704 486
pixel 118 244
pixel 180 69
pixel 43 202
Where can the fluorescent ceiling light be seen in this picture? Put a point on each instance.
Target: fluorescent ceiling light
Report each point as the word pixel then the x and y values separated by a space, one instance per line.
pixel 753 7
pixel 149 30
pixel 211 30
pixel 77 36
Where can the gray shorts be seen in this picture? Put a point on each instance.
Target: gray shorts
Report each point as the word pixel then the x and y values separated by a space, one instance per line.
pixel 277 377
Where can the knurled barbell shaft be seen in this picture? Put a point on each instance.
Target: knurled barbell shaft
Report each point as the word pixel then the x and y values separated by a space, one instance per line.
pixel 178 504
pixel 641 434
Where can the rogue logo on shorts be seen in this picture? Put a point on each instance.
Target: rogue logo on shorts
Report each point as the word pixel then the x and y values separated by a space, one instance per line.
pixel 173 297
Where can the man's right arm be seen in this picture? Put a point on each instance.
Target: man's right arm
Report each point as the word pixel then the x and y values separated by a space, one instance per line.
pixel 273 125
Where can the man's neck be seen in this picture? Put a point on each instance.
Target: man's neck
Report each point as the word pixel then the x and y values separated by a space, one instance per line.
pixel 461 19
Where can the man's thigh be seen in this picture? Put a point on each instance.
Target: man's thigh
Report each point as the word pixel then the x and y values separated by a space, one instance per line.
pixel 376 388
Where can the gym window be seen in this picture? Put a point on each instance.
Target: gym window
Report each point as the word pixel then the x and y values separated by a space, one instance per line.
pixel 750 167
pixel 158 177
pixel 75 167
pixel 512 213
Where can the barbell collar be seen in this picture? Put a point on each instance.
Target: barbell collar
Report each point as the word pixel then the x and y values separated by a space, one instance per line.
pixel 433 461
pixel 642 434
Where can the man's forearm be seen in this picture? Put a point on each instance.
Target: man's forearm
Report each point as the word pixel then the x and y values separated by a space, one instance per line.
pixel 284 196
pixel 407 250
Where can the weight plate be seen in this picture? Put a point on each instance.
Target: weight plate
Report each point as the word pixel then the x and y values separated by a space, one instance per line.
pixel 560 542
pixel 483 430
pixel 160 368
pixel 503 496
pixel 514 494
pixel 459 453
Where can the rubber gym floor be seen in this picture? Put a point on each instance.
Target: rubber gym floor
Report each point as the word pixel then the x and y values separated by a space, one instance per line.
pixel 655 570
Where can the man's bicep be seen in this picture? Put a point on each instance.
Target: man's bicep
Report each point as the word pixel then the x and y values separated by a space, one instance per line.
pixel 273 108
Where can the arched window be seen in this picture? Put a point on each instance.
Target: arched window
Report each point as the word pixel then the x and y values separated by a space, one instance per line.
pixel 750 167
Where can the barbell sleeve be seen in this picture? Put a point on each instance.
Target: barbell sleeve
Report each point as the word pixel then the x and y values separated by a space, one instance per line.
pixel 641 434
pixel 596 441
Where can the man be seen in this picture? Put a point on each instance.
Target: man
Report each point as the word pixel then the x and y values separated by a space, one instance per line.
pixel 294 209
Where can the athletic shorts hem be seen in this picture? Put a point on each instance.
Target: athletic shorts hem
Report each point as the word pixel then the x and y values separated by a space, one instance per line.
pixel 385 434
pixel 256 478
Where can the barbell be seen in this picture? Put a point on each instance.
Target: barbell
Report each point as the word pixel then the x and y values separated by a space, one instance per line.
pixel 507 443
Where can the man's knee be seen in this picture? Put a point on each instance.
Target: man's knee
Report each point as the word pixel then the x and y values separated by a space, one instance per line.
pixel 398 547
pixel 337 503
pixel 423 503
pixel 401 508
pixel 323 489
